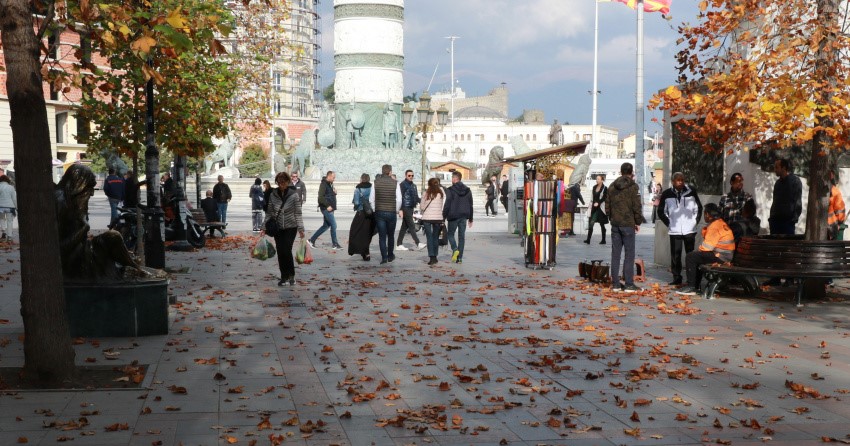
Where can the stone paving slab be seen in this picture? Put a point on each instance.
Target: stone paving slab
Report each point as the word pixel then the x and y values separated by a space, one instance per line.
pixel 483 353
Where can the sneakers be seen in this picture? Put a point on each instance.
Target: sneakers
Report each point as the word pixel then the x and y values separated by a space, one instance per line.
pixel 459 260
pixel 631 289
pixel 420 246
pixel 688 291
pixel 336 246
pixel 455 255
pixel 401 248
pixel 618 288
pixel 311 243
pixel 675 282
pixel 587 241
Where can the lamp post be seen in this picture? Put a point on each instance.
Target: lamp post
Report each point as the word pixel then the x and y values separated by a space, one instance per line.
pixel 424 115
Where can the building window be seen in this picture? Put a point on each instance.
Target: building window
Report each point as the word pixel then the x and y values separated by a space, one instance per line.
pixel 468 137
pixel 498 138
pixel 82 130
pixel 527 137
pixel 461 137
pixel 277 107
pixel 277 82
pixel 444 137
pixel 445 152
pixel 432 137
pixel 483 152
pixel 61 123
pixel 482 136
pixel 85 47
pixel 505 137
pixel 534 137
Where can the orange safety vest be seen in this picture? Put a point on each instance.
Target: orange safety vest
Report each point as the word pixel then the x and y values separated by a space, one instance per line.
pixel 836 214
pixel 717 237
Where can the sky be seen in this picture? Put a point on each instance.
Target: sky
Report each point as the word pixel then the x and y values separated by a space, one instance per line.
pixel 541 49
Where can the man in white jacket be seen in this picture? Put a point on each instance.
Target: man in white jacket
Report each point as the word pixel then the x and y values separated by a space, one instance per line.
pixel 680 210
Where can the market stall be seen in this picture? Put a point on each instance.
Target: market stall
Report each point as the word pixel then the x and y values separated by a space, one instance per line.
pixel 544 197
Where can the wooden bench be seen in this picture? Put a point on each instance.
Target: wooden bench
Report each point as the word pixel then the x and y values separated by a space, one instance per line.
pixel 780 256
pixel 201 219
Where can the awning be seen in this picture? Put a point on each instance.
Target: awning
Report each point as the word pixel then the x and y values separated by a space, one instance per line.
pixel 570 149
pixel 57 163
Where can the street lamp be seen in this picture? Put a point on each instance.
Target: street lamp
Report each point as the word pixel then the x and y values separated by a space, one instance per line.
pixel 424 115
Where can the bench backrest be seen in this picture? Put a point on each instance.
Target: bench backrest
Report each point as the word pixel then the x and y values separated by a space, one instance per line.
pixel 792 253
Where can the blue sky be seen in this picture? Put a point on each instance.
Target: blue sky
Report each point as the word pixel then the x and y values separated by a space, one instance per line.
pixel 542 50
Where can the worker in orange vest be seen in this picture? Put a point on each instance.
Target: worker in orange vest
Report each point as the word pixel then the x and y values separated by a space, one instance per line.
pixel 836 214
pixel 718 245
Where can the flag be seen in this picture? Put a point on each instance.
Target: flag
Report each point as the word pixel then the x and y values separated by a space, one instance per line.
pixel 662 6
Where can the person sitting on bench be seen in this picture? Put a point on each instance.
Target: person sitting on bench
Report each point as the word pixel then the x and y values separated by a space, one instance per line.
pixel 210 208
pixel 718 245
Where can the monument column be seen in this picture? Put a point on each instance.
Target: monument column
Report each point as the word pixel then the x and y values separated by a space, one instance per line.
pixel 369 64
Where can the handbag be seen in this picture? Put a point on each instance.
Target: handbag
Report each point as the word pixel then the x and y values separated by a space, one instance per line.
pixel 444 235
pixel 272 227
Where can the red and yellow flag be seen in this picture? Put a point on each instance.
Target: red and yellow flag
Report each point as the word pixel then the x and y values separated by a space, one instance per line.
pixel 662 6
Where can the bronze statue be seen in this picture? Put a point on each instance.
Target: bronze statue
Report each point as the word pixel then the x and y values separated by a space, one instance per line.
pixel 86 259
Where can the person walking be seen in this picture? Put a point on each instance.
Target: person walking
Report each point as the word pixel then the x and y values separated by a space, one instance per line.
pixel 575 196
pixel 787 202
pixel 492 192
pixel 458 212
pixel 505 191
pixel 680 211
pixel 626 213
pixel 285 208
pixel 257 203
pixel 732 204
pixel 432 216
pixel 409 200
pixel 8 207
pixel 327 204
pixel 300 186
pixel 363 224
pixel 597 215
pixel 386 202
pixel 222 196
pixel 718 245
pixel 656 199
pixel 267 190
pixel 113 187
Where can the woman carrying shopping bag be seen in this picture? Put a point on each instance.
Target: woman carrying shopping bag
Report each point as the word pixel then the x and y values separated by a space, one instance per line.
pixel 284 209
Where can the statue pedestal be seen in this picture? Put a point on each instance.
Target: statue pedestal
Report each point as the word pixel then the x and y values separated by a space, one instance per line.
pixel 349 164
pixel 117 310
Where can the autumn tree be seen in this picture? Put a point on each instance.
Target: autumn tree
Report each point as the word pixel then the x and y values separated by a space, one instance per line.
pixel 48 354
pixel 768 74
pixel 194 82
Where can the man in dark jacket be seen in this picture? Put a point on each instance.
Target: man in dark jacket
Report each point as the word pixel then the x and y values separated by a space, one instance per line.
pixel 327 204
pixel 626 215
pixel 131 189
pixel 113 187
pixel 458 212
pixel 504 191
pixel 210 208
pixel 222 196
pixel 386 201
pixel 299 186
pixel 409 200
pixel 787 199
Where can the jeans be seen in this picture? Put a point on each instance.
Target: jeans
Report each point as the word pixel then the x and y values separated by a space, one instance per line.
pixel 257 219
pixel 385 221
pixel 283 244
pixel 6 220
pixel 692 263
pixel 222 212
pixel 329 222
pixel 623 237
pixel 458 225
pixel 676 244
pixel 432 236
pixel 407 225
pixel 113 209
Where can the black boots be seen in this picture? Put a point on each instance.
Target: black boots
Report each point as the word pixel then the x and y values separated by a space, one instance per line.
pixel 589 234
pixel 432 260
pixel 603 236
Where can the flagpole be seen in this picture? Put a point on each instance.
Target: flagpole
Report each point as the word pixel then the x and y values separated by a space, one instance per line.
pixel 639 142
pixel 594 148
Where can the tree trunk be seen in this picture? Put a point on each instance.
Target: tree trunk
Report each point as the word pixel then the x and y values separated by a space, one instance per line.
pixel 48 354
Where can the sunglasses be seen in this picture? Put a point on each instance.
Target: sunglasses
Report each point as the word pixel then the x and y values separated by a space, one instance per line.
pixel 410 176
